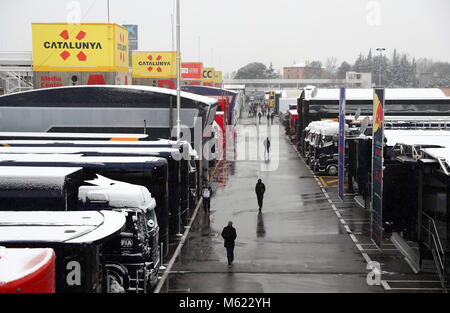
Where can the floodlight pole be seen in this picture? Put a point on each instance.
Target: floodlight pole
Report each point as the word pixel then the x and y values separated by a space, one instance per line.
pixel 179 235
pixel 178 72
pixel 379 78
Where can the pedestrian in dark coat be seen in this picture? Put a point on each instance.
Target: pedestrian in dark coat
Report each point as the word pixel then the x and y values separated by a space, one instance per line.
pixel 266 148
pixel 229 234
pixel 259 115
pixel 260 189
pixel 272 116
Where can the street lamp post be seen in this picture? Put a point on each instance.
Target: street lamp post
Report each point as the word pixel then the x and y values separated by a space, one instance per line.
pixel 379 75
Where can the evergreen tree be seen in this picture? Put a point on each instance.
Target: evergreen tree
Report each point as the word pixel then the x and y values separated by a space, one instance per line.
pixel 344 68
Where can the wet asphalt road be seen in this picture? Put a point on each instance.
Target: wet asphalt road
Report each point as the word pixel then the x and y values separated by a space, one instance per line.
pixel 296 244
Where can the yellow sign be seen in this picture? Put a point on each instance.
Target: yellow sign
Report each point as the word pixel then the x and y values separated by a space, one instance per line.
pixel 156 64
pixel 208 74
pixel 80 47
pixel 121 48
pixel 271 98
pixel 218 76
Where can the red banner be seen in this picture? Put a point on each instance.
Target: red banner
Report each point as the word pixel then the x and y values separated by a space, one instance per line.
pixel 191 71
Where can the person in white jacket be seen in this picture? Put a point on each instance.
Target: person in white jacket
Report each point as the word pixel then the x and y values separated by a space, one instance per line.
pixel 206 194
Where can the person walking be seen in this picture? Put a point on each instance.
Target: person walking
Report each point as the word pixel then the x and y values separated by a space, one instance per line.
pixel 272 116
pixel 259 115
pixel 260 189
pixel 266 148
pixel 229 234
pixel 206 194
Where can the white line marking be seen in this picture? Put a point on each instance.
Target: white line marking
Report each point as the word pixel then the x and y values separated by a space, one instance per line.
pixel 354 238
pixel 372 244
pixel 434 289
pixel 379 249
pixel 413 281
pixel 178 250
pixel 385 285
pixel 347 229
pixel 358 219
pixel 366 257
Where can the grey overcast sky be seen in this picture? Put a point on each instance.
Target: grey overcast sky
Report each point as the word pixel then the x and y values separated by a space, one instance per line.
pixel 235 32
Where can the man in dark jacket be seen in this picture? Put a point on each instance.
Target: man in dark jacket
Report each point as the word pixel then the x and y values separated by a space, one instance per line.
pixel 266 148
pixel 229 234
pixel 260 188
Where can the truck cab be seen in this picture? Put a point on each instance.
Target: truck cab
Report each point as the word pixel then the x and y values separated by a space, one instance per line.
pixel 137 247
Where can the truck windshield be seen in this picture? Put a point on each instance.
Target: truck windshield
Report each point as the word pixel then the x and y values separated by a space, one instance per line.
pixel 138 227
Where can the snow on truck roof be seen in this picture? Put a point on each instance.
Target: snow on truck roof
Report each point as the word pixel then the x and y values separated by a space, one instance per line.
pixel 73 158
pixel 417 137
pixel 391 94
pixel 80 150
pixel 160 142
pixel 7 172
pixel 71 135
pixel 118 194
pixel 440 153
pixel 187 95
pixel 317 126
pixel 42 182
pixel 70 227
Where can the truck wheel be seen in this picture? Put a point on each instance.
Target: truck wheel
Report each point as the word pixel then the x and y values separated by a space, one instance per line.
pixel 332 170
pixel 115 283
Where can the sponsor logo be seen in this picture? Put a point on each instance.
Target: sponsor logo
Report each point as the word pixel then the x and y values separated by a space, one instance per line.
pixel 122 47
pixel 154 63
pixel 378 121
pixel 73 45
pixel 207 74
